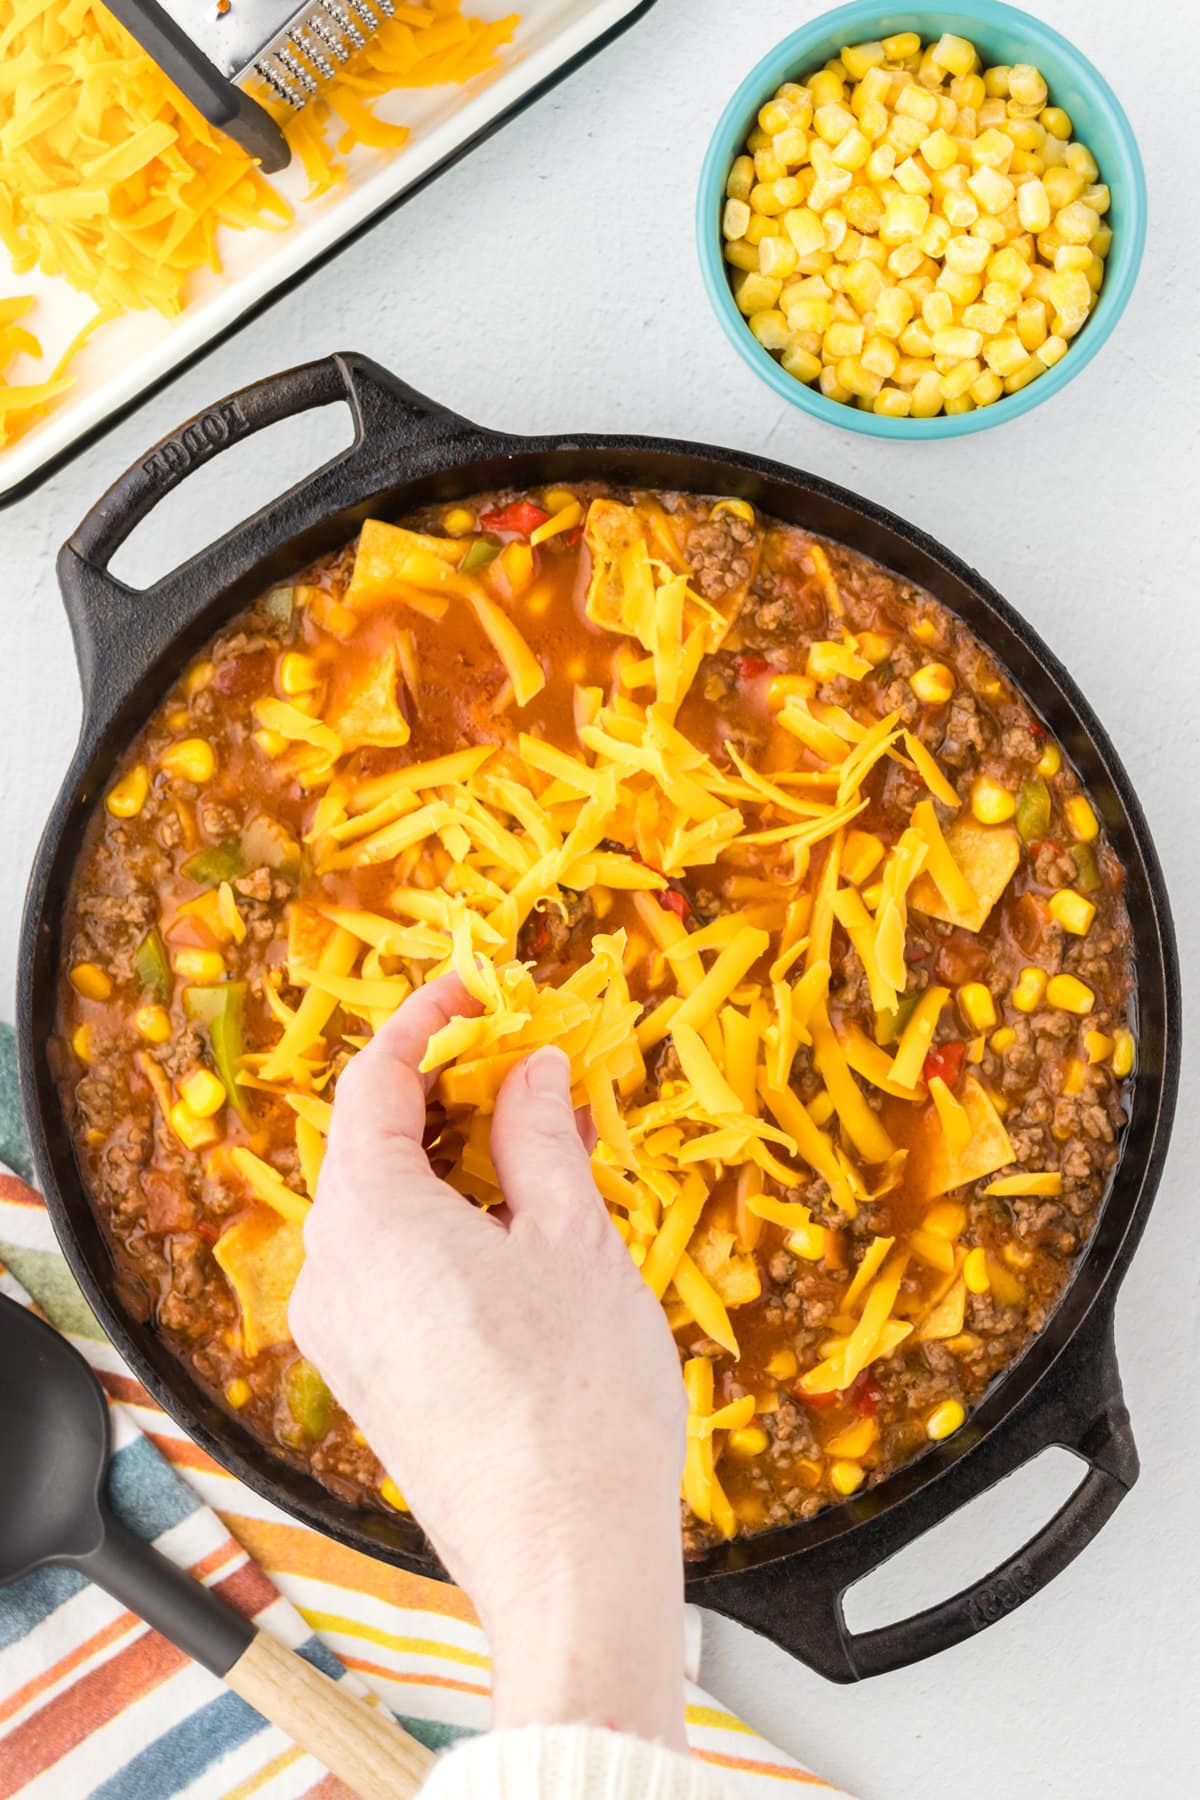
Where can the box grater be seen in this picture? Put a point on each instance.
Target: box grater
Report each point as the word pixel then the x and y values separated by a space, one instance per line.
pixel 233 58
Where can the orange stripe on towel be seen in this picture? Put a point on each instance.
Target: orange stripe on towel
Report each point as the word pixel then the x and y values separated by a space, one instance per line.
pixel 69 1718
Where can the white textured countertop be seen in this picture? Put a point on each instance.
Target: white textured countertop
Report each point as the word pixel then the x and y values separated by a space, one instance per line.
pixel 549 283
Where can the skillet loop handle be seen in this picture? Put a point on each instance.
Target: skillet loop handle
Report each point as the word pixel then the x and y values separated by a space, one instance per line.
pixel 120 631
pixel 799 1604
pixel 380 405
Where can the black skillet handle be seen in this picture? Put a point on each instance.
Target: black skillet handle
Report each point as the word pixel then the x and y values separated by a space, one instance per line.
pixel 119 631
pixel 798 1603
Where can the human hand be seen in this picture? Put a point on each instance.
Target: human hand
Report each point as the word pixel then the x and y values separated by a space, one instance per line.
pixel 516 1378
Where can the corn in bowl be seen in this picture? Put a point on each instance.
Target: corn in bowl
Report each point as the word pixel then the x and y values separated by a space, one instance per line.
pixel 912 233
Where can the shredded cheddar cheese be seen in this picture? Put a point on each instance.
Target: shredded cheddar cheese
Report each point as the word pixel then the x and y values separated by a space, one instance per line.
pixel 110 179
pixel 467 851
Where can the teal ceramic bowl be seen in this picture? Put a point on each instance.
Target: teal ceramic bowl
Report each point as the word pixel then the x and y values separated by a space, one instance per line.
pixel 1002 34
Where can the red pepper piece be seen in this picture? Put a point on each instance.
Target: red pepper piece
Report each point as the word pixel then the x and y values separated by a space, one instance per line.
pixel 867 1395
pixel 750 668
pixel 539 937
pixel 673 901
pixel 575 536
pixel 519 517
pixel 946 1060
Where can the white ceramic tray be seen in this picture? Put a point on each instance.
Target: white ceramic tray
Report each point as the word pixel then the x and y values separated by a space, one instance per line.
pixel 134 354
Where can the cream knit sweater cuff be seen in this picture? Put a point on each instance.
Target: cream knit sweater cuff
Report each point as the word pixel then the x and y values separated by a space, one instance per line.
pixel 569 1762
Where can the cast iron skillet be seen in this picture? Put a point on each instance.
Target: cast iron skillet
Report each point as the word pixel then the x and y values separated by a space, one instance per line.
pixel 787 1583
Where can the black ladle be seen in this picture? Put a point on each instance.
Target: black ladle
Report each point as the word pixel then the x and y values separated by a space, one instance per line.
pixel 53 1509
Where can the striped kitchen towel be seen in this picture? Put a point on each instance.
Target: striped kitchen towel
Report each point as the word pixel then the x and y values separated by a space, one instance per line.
pixel 95 1706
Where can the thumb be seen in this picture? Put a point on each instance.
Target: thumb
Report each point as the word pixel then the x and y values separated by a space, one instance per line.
pixel 544 1169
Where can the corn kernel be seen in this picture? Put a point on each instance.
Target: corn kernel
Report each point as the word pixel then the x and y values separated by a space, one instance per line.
pixel 1068 994
pixel 892 403
pixel 864 284
pixel 1000 1040
pixel 802 365
pixel 390 1494
pixel 933 684
pixel 1082 819
pixel 1021 378
pixel 807 1242
pixel 991 803
pixel 193 1132
pixel 747 1441
pixel 153 1023
pixel 1072 911
pixel 755 293
pixel 126 797
pixel 1099 1046
pixel 976 1005
pixel 927 396
pixel 880 356
pixel 945 1420
pixel 1074 1078
pixel 191 759
pixel 959 377
pixel 297 675
pixel 1005 354
pixel 206 966
pixel 202 1092
pixel 237 1392
pixel 1029 990
pixel 957 54
pixel 843 340
pixel 90 980
pixel 846 1478
pixel 901 45
pixel 991 190
pixel 783 1365
pixel 987 389
pixel 854 1441
pixel 1057 122
pixel 734 221
pixel 740 179
pixel 81 1043
pixel 1026 85
pixel 271 743
pixel 946 1219
pixel 790 147
pixel 975 1271
pixel 1123 1054
pixel 958 342
pixel 893 311
pixel 198 677
pixel 1081 162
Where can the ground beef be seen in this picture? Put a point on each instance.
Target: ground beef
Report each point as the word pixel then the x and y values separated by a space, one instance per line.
pixel 720 555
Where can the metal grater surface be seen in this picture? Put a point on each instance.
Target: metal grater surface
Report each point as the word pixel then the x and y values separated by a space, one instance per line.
pixel 275 51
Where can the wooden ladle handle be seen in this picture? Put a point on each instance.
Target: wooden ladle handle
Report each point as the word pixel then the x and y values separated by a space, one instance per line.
pixel 360 1743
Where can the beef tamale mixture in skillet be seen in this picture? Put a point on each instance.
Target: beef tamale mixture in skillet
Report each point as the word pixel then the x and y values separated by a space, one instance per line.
pixel 755 830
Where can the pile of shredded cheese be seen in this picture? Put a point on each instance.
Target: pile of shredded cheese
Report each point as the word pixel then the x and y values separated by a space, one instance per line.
pixel 476 840
pixel 112 180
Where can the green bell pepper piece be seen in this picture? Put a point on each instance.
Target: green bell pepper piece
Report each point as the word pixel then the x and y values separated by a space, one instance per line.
pixel 151 967
pixel 479 556
pixel 222 1012
pixel 217 863
pixel 278 605
pixel 1087 869
pixel 1033 810
pixel 889 1024
pixel 309 1400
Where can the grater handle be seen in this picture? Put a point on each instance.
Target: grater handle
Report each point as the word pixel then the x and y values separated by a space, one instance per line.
pixel 221 102
pixel 121 632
